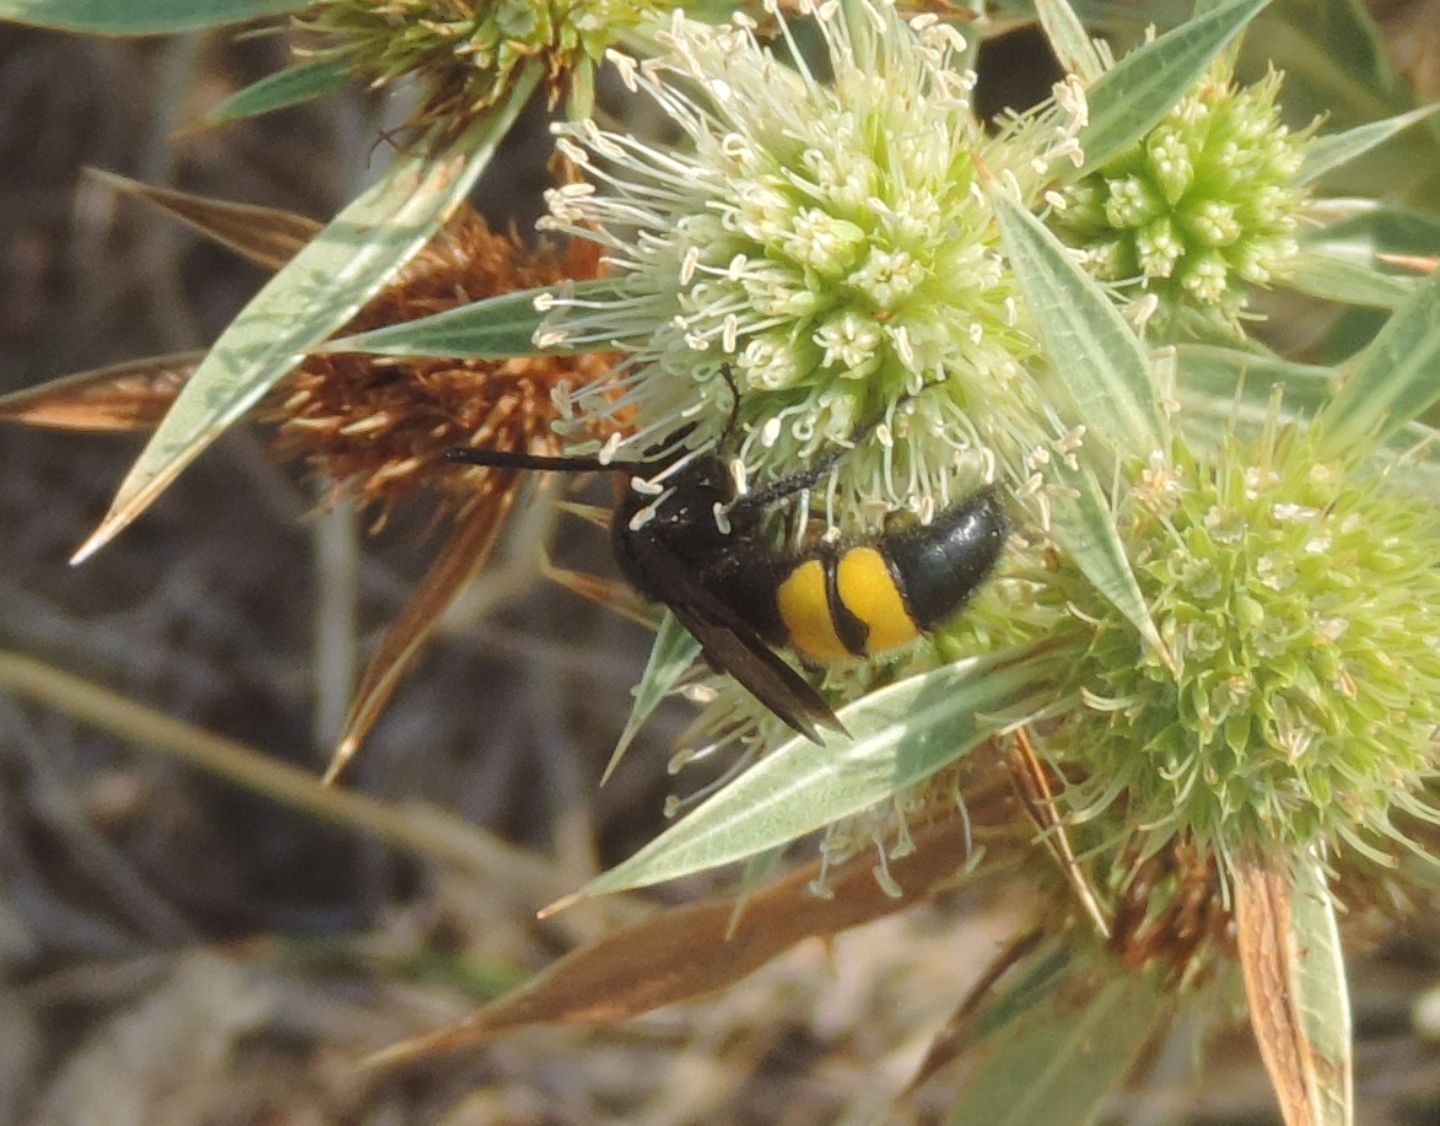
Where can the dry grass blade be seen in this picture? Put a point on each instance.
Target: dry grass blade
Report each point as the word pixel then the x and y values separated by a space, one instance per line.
pixel 1420 263
pixel 683 952
pixel 460 561
pixel 266 236
pixel 131 396
pixel 1033 784
pixel 418 827
pixel 1272 963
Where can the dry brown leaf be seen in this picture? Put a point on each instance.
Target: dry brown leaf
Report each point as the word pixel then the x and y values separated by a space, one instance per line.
pixel 1262 919
pixel 612 593
pixel 683 953
pixel 131 396
pixel 266 236
pixel 460 561
pixel 1269 963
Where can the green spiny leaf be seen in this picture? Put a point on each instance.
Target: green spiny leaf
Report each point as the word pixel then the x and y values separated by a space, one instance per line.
pixel 1142 87
pixel 496 328
pixel 900 735
pixel 1069 39
pixel 288 87
pixel 1231 384
pixel 1094 352
pixel 141 17
pixel 1322 997
pixel 1393 379
pixel 1055 1038
pixel 1325 153
pixel 1347 274
pixel 316 292
pixel 671 656
pixel 1084 527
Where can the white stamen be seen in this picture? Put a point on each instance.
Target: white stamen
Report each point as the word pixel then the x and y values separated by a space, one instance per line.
pixel 739 476
pixel 609 449
pixel 688 264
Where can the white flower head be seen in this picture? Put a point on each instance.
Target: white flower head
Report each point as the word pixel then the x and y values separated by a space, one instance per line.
pixel 822 245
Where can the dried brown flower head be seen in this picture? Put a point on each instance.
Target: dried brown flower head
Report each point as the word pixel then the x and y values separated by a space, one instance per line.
pixel 378 427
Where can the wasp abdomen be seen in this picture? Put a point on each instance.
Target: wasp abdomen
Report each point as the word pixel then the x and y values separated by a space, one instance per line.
pixel 857 601
pixel 939 566
pixel 806 600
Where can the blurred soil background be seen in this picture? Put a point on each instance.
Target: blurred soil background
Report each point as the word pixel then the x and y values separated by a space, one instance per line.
pixel 177 948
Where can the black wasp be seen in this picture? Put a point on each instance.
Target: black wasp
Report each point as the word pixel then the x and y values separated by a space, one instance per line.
pixel 702 551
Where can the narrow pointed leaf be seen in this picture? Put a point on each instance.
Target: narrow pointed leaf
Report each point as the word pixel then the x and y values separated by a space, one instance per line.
pixel 1295 987
pixel 757 873
pixel 141 17
pixel 1217 379
pixel 459 562
pixel 1322 996
pixel 320 289
pixel 1084 527
pixel 1049 1039
pixel 1223 389
pixel 688 951
pixel 1339 66
pixel 266 236
pixel 131 396
pixel 1069 39
pixel 671 656
pixel 1334 273
pixel 1335 60
pixel 288 87
pixel 494 329
pixel 1325 153
pixel 1390 234
pixel 1393 379
pixel 900 735
pixel 1141 88
pixel 1095 354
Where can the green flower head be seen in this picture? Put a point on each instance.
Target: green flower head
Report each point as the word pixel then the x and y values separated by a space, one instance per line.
pixel 1299 597
pixel 1206 203
pixel 468 52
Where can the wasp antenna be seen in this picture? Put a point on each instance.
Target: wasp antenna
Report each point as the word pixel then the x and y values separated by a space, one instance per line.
pixel 518 459
pixel 734 420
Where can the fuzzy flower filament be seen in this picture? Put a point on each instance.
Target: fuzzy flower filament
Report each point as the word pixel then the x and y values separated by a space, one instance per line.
pixel 822 247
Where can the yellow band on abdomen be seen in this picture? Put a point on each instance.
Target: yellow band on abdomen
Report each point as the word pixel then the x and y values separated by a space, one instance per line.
pixel 868 590
pixel 805 610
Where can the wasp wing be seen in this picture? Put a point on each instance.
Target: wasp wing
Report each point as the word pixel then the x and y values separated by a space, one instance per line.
pixel 732 645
